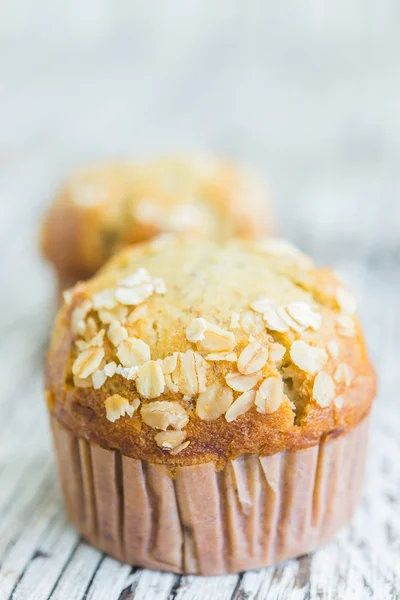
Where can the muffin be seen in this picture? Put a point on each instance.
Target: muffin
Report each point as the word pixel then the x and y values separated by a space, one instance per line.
pixel 209 404
pixel 102 208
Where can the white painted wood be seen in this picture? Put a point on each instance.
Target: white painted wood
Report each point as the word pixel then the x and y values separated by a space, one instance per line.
pixel 109 580
pixel 310 95
pixel 77 576
pixel 22 529
pixel 150 584
pixel 53 551
pixel 220 588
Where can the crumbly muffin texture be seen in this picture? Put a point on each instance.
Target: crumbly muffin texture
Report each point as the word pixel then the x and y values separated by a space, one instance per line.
pixel 102 208
pixel 183 351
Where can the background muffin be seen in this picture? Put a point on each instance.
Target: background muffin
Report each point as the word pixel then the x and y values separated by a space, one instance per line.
pixel 209 404
pixel 98 209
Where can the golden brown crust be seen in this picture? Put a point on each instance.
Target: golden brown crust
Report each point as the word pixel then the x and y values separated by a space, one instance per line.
pixel 100 209
pixel 205 280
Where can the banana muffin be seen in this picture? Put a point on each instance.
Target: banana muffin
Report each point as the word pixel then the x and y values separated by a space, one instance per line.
pixel 209 404
pixel 102 208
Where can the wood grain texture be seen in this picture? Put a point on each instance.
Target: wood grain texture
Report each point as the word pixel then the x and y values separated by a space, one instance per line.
pixel 311 97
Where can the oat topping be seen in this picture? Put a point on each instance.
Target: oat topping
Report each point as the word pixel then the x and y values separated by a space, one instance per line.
pixel 273 321
pixel 170 384
pixel 81 345
pixel 169 363
pixel 67 296
pixel 129 373
pixel 117 406
pixel 107 316
pixel 97 339
pixel 190 373
pixel 116 333
pixel 170 439
pixel 110 369
pixel 201 371
pixel 251 323
pixel 304 315
pixel 87 362
pixel 104 299
pixel 196 329
pixel 227 356
pixel 240 406
pixel 185 217
pixel 217 339
pixel 136 314
pixel 235 318
pixel 87 193
pixel 296 316
pixel 146 211
pixel 162 414
pixel 283 313
pixel 276 352
pixel 82 383
pixel 133 352
pixel 98 379
pixel 308 358
pixel 139 286
pixel 323 389
pixel 269 395
pixel 91 331
pixel 182 217
pixel 252 358
pixel 242 383
pixel 180 448
pixel 139 277
pixel 339 401
pixel 280 248
pixel 343 374
pixel 346 301
pixel 214 402
pixel 150 380
pixel 161 241
pixel 262 304
pixel 346 325
pixel 333 348
pixel 134 296
pixel 159 286
pixel 78 316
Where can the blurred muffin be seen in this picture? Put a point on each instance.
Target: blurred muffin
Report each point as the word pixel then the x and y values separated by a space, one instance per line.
pixel 209 404
pixel 102 208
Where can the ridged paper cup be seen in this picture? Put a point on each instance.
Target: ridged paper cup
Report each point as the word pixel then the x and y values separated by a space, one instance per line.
pixel 256 511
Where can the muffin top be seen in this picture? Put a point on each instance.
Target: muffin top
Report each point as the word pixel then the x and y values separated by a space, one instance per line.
pixel 183 351
pixel 100 208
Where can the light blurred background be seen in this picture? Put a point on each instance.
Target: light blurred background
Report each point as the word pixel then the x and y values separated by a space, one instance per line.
pixel 307 93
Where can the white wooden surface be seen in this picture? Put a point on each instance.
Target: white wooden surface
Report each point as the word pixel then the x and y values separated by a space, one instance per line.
pixel 310 95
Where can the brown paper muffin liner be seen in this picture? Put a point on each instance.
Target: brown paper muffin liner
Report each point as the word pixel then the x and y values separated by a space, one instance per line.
pixel 254 512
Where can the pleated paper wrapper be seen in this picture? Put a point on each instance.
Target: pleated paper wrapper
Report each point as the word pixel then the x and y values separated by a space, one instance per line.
pixel 254 512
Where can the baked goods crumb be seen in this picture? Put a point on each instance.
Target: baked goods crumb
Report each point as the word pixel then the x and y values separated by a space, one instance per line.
pixel 323 389
pixel 162 414
pixel 308 358
pixel 236 338
pixel 117 406
pixel 240 406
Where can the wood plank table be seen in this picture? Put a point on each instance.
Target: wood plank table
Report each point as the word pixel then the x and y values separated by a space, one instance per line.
pixel 312 99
